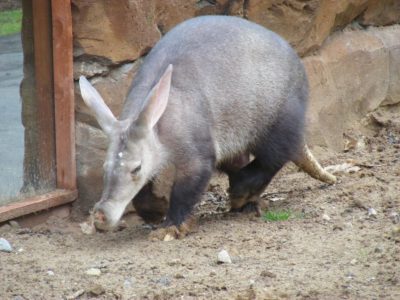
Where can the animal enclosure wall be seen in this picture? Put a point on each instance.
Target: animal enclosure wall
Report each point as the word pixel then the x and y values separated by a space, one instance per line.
pixel 38 155
pixel 351 50
pixel 28 149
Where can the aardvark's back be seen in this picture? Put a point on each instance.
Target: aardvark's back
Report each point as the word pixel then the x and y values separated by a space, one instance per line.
pixel 228 72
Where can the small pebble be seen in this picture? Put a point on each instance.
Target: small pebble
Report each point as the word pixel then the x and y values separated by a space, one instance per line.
pixel 5 246
pixel 96 289
pixel 179 276
pixel 326 217
pixel 358 203
pixel 395 217
pixel 213 273
pixel 372 212
pixel 174 262
pixel 93 272
pixel 348 225
pixel 168 238
pixel 338 226
pixel 353 261
pixel 269 274
pixel 88 228
pixel 50 273
pixel 14 224
pixel 224 258
pixel 128 282
pixel 75 295
pixel 396 231
pixel 164 280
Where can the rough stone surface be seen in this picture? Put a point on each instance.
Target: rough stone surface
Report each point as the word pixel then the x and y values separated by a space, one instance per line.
pixel 353 74
pixel 315 20
pixel 324 125
pixel 170 13
pixel 390 38
pixel 122 32
pixel 361 59
pixel 126 31
pixel 279 16
pixel 330 16
pixel 381 13
pixel 88 69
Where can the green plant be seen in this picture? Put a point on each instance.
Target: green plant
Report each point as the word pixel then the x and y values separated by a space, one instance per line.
pixel 277 215
pixel 10 21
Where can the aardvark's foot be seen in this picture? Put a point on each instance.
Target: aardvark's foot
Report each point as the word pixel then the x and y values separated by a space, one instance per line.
pixel 172 232
pixel 249 208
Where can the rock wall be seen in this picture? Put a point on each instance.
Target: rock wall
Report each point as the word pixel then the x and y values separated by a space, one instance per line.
pixel 353 73
pixel 351 50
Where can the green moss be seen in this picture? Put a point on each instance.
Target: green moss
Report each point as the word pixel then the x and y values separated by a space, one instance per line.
pixel 10 21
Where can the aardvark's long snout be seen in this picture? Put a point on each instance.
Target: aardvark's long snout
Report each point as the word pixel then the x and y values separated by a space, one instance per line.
pixel 106 214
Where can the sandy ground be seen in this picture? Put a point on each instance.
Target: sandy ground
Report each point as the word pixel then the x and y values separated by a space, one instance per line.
pixel 329 249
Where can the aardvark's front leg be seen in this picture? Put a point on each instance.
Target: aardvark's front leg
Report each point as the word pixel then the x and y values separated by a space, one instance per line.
pixel 189 185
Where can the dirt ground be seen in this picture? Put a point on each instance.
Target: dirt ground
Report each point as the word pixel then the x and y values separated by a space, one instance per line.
pixel 331 247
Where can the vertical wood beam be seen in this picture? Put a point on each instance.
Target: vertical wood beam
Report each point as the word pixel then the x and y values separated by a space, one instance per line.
pixel 43 61
pixel 64 94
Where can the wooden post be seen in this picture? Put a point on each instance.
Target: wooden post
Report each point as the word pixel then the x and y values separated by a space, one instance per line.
pixel 43 62
pixel 64 94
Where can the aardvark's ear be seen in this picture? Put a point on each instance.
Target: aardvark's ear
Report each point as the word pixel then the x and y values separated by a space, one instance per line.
pixel 96 103
pixel 157 100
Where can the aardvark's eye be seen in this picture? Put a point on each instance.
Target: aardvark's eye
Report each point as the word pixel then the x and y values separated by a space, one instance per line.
pixel 136 170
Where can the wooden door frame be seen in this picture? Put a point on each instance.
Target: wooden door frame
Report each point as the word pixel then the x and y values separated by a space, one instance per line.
pixel 54 69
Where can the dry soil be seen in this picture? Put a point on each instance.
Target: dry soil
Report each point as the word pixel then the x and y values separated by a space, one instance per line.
pixel 330 248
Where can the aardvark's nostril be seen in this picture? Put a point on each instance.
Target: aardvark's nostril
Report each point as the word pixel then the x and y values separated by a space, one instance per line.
pixel 100 217
pixel 100 220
